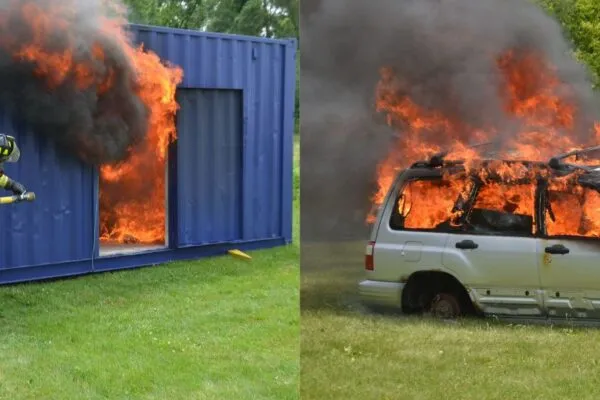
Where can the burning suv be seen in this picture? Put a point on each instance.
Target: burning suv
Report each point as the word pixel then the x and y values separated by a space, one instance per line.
pixel 492 237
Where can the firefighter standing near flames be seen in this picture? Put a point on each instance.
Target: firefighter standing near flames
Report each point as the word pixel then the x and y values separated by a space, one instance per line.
pixel 9 152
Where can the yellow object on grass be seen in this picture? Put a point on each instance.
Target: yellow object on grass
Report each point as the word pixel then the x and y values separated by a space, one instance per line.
pixel 239 254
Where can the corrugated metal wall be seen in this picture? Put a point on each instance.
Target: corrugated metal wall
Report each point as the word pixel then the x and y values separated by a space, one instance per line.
pixel 58 226
pixel 231 176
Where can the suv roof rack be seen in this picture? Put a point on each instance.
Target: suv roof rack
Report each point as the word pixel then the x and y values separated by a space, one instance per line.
pixel 438 160
pixel 556 161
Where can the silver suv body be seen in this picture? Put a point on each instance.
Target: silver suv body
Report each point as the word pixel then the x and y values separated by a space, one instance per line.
pixel 517 260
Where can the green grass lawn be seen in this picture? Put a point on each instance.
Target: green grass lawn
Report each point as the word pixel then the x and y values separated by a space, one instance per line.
pixel 357 356
pixel 348 353
pixel 218 328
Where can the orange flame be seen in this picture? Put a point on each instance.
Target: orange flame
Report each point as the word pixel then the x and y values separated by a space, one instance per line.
pixel 536 101
pixel 135 216
pixel 137 212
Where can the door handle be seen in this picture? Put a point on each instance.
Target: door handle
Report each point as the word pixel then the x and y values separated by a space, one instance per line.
pixel 557 249
pixel 467 245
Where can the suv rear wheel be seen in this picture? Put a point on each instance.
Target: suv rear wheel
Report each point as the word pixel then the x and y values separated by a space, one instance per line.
pixel 436 293
pixel 445 306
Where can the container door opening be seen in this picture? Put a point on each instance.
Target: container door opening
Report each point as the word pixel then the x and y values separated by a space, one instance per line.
pixel 133 204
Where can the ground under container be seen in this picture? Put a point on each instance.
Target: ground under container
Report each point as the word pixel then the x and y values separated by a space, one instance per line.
pixel 229 174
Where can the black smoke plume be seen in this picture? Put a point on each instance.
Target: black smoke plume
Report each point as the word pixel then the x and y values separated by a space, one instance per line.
pixel 97 126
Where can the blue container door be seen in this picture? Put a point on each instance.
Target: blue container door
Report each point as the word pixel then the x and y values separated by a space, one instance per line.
pixel 209 166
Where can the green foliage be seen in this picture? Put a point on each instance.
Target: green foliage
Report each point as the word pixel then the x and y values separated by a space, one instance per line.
pixel 289 24
pixel 269 18
pixel 166 13
pixel 581 21
pixel 252 17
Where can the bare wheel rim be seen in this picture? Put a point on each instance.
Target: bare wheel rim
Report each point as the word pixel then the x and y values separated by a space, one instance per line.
pixel 445 306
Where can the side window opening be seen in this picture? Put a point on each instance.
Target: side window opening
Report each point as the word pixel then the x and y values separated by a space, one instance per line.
pixel 426 204
pixel 569 213
pixel 502 209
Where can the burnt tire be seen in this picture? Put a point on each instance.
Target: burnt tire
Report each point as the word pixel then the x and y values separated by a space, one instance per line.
pixel 445 306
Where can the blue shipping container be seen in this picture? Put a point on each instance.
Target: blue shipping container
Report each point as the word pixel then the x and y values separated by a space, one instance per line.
pixel 229 175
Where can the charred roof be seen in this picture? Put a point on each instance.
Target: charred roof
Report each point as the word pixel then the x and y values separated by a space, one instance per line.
pixel 584 174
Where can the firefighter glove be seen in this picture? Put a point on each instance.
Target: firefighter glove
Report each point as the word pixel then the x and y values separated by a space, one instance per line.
pixel 16 187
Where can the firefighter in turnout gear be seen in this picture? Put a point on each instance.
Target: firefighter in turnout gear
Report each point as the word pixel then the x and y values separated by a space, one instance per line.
pixel 9 152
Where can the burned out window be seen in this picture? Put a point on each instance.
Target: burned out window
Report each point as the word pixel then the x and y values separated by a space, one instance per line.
pixel 426 204
pixel 502 209
pixel 573 212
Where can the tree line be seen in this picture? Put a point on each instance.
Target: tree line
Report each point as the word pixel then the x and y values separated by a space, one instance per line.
pixel 580 20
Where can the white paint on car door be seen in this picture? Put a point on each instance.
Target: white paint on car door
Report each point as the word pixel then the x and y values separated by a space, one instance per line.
pixel 501 272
